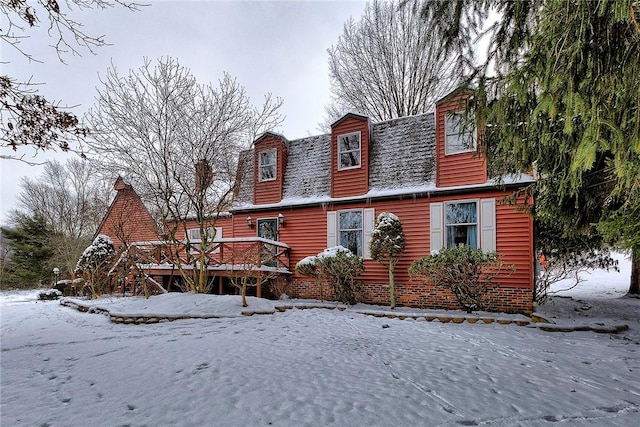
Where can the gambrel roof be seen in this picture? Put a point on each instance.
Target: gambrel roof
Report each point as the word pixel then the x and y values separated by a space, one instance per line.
pixel 402 153
pixel 402 156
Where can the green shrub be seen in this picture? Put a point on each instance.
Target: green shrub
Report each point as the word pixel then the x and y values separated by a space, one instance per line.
pixel 467 273
pixel 94 263
pixel 338 267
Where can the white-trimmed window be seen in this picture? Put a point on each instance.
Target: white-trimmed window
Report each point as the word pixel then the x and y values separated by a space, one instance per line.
pixel 352 229
pixel 461 224
pixel 349 152
pixel 267 165
pixel 460 135
pixel 212 233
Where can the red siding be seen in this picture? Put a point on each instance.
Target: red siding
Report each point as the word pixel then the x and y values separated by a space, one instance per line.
pixel 461 168
pixel 305 232
pixel 269 191
pixel 128 220
pixel 350 182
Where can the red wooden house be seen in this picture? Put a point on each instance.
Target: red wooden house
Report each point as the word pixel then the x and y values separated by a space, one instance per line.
pixel 316 192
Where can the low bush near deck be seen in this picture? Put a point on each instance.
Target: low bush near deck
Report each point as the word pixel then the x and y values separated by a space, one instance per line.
pixel 338 267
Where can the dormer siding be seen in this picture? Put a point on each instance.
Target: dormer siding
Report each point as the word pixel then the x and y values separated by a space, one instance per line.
pixel 350 180
pixel 462 168
pixel 268 189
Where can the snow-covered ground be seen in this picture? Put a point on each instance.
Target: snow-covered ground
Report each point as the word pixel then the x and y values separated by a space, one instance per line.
pixel 316 367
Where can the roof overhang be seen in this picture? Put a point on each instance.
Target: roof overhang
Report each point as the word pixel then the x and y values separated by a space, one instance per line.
pixel 423 191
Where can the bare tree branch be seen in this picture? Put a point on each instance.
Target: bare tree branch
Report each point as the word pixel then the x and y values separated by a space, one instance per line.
pixel 387 65
pixel 26 118
pixel 161 130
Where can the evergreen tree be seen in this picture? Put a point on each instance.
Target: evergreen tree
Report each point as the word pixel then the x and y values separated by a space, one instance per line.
pixel 559 93
pixel 387 243
pixel 29 243
pixel 94 262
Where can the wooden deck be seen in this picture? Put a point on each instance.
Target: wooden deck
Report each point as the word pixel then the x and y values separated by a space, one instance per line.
pixel 253 257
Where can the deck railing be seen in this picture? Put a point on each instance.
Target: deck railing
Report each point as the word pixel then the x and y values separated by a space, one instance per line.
pixel 225 254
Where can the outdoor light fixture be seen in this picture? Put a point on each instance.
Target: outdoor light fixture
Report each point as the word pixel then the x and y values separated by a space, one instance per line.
pixel 281 220
pixel 56 273
pixel 249 222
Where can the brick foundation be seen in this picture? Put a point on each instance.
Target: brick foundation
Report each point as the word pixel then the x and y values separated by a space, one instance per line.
pixel 500 299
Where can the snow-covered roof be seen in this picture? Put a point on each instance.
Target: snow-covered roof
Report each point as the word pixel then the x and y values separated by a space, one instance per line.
pixel 428 189
pixel 308 172
pixel 403 152
pixel 402 155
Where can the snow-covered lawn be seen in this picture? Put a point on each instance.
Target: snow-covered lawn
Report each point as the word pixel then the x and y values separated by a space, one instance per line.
pixel 316 367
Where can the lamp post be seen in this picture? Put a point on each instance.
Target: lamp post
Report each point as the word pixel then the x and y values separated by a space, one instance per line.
pixel 56 273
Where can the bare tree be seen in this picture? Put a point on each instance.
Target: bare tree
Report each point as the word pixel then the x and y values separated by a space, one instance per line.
pixel 251 268
pixel 387 64
pixel 26 118
pixel 177 142
pixel 72 200
pixel 70 196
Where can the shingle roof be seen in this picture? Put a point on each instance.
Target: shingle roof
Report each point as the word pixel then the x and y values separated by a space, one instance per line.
pixel 308 172
pixel 402 154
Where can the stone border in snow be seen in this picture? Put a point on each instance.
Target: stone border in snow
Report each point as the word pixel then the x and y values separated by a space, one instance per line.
pixel 442 316
pixel 146 319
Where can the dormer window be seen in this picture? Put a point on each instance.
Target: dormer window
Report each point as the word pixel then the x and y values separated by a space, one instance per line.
pixel 349 151
pixel 460 135
pixel 267 166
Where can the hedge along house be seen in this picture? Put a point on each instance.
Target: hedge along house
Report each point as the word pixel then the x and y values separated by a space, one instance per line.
pixel 317 192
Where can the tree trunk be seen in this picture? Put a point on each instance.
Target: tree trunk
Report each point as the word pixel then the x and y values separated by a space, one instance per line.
pixel 243 291
pixel 392 286
pixel 202 274
pixel 634 283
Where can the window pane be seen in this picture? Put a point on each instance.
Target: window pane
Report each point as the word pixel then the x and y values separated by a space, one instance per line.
pixel 455 144
pixel 352 240
pixel 461 213
pixel 267 172
pixel 349 159
pixel 350 220
pixel 462 235
pixel 350 229
pixel 349 142
pixel 454 124
pixel 349 151
pixel 267 167
pixel 461 221
pixel 459 136
pixel 267 157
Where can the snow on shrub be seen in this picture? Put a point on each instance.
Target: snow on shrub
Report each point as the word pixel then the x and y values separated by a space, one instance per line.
pixel 387 243
pixel 100 249
pixel 93 262
pixel 467 273
pixel 49 294
pixel 338 267
pixel 307 266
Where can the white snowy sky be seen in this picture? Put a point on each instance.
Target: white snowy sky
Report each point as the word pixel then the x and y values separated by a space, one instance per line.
pixel 269 46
